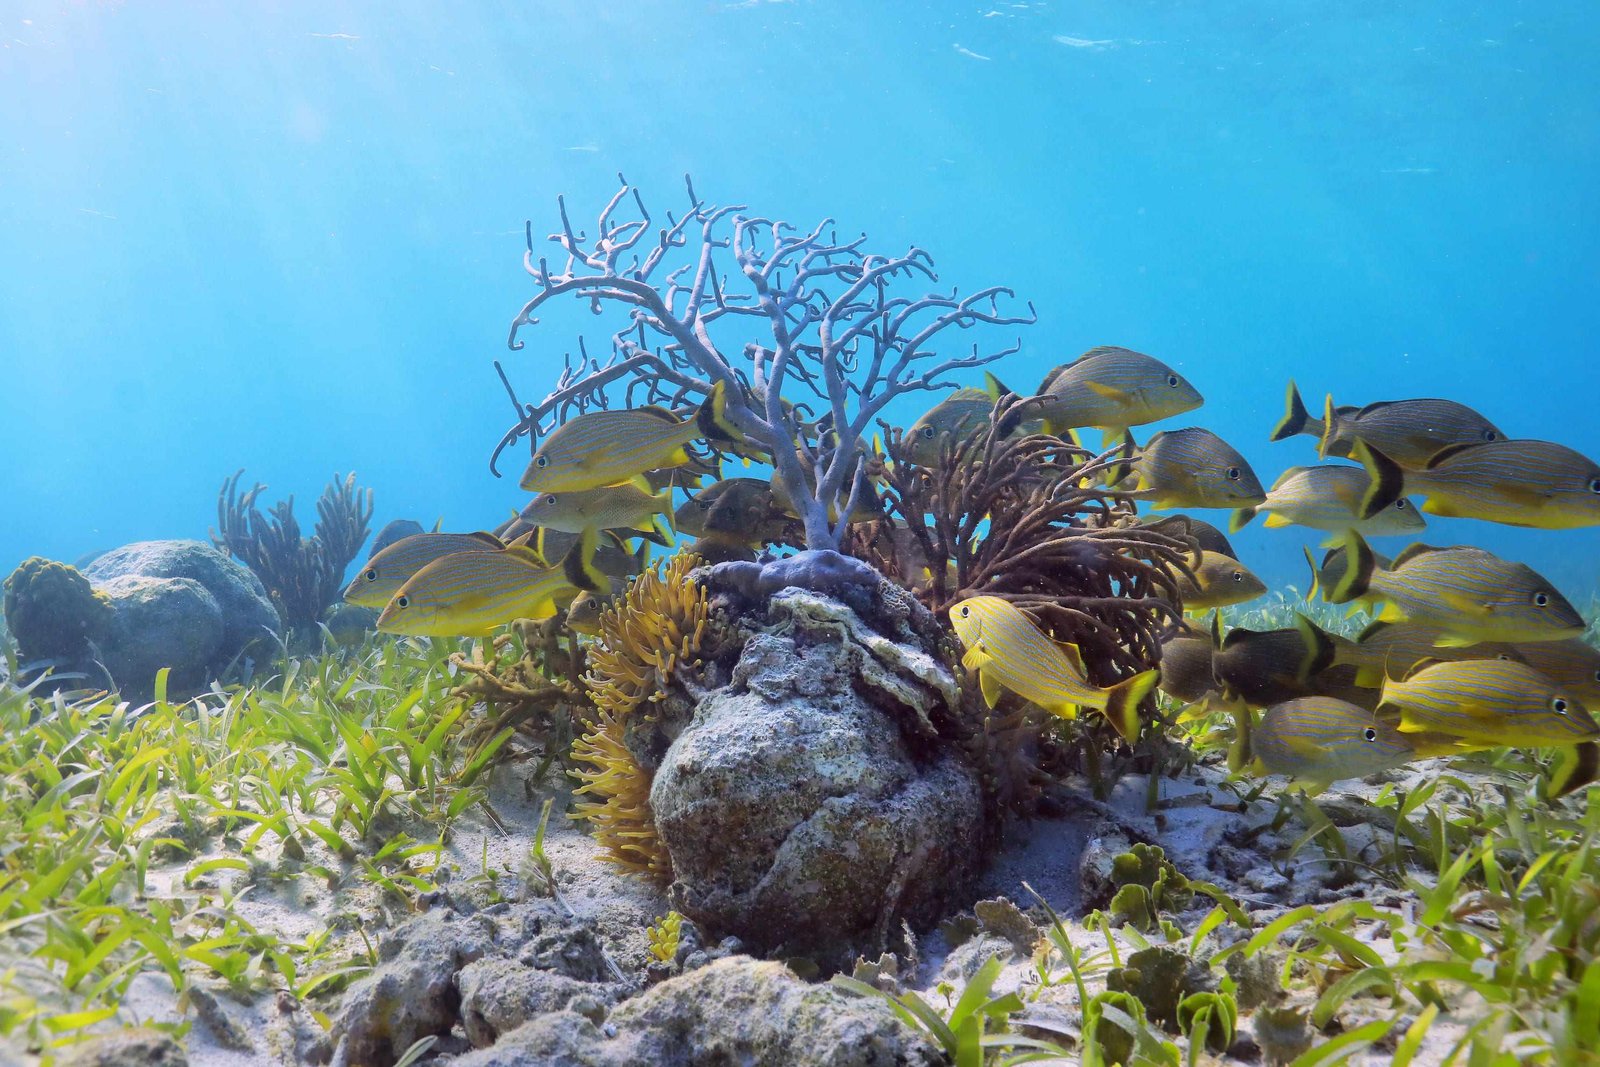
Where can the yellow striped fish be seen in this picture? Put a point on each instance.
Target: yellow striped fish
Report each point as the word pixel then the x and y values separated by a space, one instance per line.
pixel 1573 664
pixel 1008 650
pixel 950 422
pixel 1392 649
pixel 1219 581
pixel 1331 497
pixel 1489 702
pixel 469 594
pixel 1108 388
pixel 601 448
pixel 1408 431
pixel 611 507
pixel 1192 468
pixel 388 570
pixel 1319 740
pixel 1519 483
pixel 1470 594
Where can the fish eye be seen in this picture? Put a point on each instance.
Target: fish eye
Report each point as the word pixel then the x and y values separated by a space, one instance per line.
pixel 965 611
pixel 1172 380
pixel 1369 734
pixel 1594 485
pixel 550 498
pixel 541 461
pixel 927 432
pixel 1238 576
pixel 402 602
pixel 1233 474
pixel 1541 599
pixel 1558 706
pixel 371 575
pixel 1401 504
pixel 1490 435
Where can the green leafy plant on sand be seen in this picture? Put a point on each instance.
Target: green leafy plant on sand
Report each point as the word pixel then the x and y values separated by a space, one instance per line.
pixel 131 835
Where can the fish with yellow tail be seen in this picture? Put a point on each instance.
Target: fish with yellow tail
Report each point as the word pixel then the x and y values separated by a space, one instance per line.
pixel 1385 649
pixel 599 448
pixel 1317 740
pixel 1218 582
pixel 611 507
pixel 469 594
pixel 1409 431
pixel 1537 484
pixel 389 568
pixel 1191 467
pixel 1470 594
pixel 1009 651
pixel 1331 498
pixel 1489 702
pixel 1107 388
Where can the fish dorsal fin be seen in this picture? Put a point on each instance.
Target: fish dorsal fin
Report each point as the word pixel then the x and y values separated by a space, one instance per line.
pixel 1320 650
pixel 1286 475
pixel 490 540
pixel 526 555
pixel 1237 635
pixel 996 388
pixel 1421 665
pixel 1372 630
pixel 1216 630
pixel 1411 552
pixel 1050 378
pixel 1100 350
pixel 1074 656
pixel 659 412
pixel 521 541
pixel 1448 451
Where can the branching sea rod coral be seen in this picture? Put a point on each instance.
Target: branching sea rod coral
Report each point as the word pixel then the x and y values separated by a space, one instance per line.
pixel 656 628
pixel 303 576
pixel 832 332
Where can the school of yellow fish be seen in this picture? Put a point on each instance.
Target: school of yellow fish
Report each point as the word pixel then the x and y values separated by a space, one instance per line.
pixel 1468 651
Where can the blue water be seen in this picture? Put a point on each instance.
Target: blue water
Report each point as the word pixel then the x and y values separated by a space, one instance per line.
pixel 290 240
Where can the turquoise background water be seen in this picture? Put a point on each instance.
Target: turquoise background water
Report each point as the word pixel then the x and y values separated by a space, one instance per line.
pixel 289 238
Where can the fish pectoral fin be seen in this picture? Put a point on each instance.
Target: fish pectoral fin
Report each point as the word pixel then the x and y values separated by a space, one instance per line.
pixel 990 686
pixel 1110 392
pixel 975 657
pixel 1450 640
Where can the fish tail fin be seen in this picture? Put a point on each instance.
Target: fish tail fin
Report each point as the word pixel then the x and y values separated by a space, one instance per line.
pixel 1386 482
pixel 1240 752
pixel 579 566
pixel 1296 419
pixel 1123 700
pixel 1124 465
pixel 1320 648
pixel 1316 575
pixel 712 418
pixel 1216 629
pixel 1330 418
pixel 536 542
pixel 995 387
pixel 655 530
pixel 1575 768
pixel 663 501
pixel 1241 518
pixel 1359 566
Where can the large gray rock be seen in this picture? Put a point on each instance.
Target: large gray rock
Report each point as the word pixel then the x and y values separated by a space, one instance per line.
pixel 810 806
pixel 134 1047
pixel 161 622
pixel 248 616
pixel 734 1011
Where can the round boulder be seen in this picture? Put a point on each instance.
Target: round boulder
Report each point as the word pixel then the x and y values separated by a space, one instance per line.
pixel 161 622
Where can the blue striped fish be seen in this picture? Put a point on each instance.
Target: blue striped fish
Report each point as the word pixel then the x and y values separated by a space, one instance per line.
pixel 600 448
pixel 1573 664
pixel 611 507
pixel 1519 483
pixel 1470 594
pixel 1409 431
pixel 1008 650
pixel 388 570
pixel 1490 702
pixel 1219 581
pixel 1193 468
pixel 1108 388
pixel 1331 497
pixel 1386 649
pixel 469 594
pixel 1319 739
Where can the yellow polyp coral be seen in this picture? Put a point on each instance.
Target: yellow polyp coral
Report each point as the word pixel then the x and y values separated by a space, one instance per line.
pixel 657 625
pixel 655 629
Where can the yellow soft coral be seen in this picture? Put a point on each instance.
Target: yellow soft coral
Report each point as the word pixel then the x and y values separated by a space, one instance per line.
pixel 655 628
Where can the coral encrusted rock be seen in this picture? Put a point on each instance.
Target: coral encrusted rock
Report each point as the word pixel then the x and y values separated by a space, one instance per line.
pixel 811 805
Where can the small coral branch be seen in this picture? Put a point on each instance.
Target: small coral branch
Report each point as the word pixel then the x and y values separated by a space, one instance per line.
pixel 813 346
pixel 303 576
